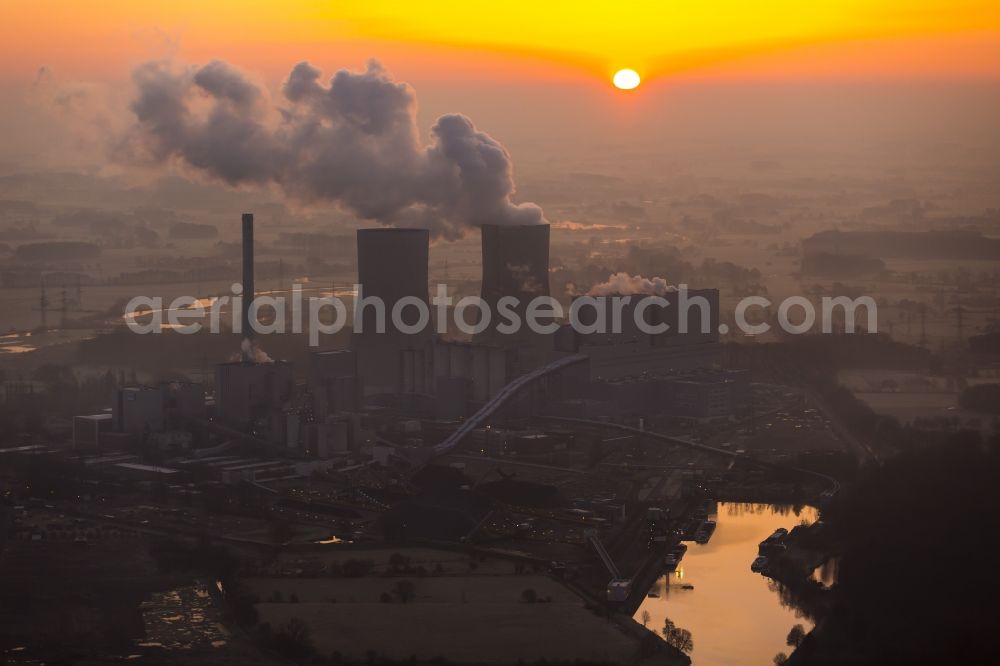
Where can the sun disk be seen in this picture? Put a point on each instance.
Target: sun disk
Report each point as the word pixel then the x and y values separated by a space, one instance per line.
pixel 626 79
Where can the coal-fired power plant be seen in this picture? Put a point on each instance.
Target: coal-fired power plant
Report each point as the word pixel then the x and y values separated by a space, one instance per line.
pixel 515 263
pixel 392 265
pixel 250 392
pixel 247 352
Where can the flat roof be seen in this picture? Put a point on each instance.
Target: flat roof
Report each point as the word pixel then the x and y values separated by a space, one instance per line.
pixel 207 460
pixel 23 449
pixel 252 364
pixel 139 467
pixel 229 462
pixel 262 465
pixel 94 417
pixel 115 458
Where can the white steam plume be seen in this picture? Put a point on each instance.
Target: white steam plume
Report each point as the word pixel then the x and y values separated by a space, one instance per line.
pixel 624 284
pixel 354 141
pixel 251 351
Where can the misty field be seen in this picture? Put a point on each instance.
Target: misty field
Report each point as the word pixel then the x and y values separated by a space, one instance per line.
pixel 461 618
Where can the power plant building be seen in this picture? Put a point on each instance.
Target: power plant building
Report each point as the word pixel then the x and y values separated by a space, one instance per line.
pixel 632 352
pixel 488 369
pixel 334 382
pixel 447 367
pixel 136 409
pixel 246 393
pixel 141 409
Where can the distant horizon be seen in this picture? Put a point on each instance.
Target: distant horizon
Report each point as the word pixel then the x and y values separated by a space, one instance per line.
pixel 773 80
pixel 517 39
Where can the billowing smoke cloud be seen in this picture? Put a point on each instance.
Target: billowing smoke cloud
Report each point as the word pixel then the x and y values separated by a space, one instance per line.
pixel 624 284
pixel 354 141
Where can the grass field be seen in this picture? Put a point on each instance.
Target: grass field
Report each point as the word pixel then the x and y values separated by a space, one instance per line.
pixel 479 618
pixel 439 561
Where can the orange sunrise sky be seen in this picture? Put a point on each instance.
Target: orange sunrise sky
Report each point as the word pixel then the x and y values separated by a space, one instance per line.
pixel 519 40
pixel 537 75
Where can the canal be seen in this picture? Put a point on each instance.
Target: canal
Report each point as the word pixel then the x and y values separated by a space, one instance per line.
pixel 735 616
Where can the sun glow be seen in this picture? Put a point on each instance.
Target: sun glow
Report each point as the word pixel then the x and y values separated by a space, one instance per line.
pixel 626 79
pixel 560 38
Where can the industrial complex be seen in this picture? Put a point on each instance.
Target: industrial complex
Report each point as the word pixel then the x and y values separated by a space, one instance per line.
pixel 584 454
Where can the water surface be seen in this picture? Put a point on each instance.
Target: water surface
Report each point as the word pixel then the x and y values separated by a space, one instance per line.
pixel 734 615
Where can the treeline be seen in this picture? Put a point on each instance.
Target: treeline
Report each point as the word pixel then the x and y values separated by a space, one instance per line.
pixel 917 582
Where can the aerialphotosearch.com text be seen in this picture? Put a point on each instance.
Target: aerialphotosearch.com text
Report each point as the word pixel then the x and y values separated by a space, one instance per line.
pixel 327 315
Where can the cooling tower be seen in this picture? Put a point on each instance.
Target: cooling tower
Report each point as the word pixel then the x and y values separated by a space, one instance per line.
pixel 515 263
pixel 392 265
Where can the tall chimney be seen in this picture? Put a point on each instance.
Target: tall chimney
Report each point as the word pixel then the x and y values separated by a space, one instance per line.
pixel 248 288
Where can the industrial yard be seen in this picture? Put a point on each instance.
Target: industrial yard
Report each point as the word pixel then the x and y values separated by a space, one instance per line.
pixel 533 486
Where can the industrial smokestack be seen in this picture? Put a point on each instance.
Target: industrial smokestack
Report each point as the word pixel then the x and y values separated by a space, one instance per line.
pixel 248 287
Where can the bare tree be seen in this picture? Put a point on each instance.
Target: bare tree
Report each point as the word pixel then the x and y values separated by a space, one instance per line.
pixel 677 637
pixel 646 617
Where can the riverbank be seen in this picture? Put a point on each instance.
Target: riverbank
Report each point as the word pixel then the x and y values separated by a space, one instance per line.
pixel 805 549
pixel 734 615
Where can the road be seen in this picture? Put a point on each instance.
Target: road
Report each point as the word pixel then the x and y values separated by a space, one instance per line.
pixel 863 450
